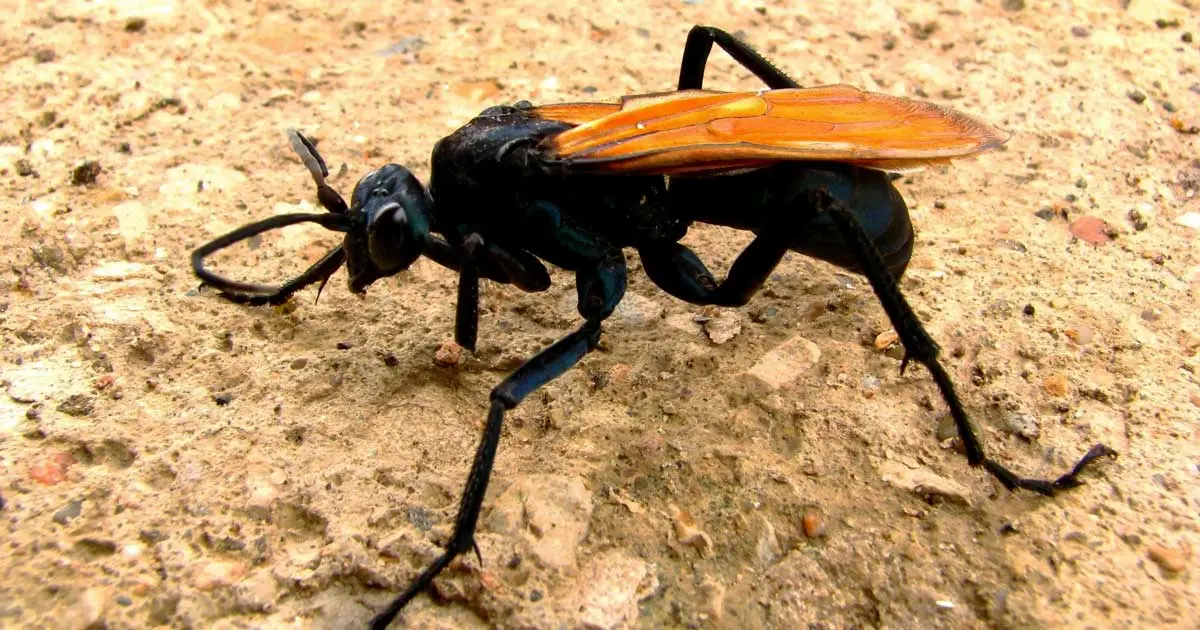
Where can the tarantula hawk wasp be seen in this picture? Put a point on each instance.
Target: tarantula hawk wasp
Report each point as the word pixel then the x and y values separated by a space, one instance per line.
pixel 805 169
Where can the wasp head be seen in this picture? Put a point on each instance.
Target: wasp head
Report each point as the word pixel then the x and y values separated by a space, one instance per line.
pixel 389 217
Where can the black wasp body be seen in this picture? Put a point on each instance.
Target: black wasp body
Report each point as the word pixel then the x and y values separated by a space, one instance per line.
pixel 501 205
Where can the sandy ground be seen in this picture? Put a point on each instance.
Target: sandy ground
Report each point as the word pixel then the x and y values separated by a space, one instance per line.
pixel 172 459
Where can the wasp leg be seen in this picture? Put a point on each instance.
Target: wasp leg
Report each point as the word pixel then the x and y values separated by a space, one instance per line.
pixel 516 267
pixel 920 347
pixel 600 288
pixel 699 44
pixel 476 259
pixel 677 270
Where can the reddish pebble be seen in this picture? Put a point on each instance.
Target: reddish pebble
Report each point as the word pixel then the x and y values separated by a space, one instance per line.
pixel 448 354
pixel 1184 126
pixel 619 374
pixel 52 470
pixel 1170 560
pixel 814 523
pixel 489 580
pixel 886 339
pixel 1091 230
pixel 1082 335
pixel 1056 384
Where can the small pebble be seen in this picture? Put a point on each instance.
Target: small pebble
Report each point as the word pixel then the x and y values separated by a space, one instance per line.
pixel 886 339
pixel 1091 230
pixel 85 173
pixel 151 536
pixel 1189 220
pixel 1023 425
pixel 88 611
pixel 924 482
pixel 785 363
pixel 124 600
pixel 768 544
pixel 68 512
pixel 688 533
pixel 1138 220
pixel 723 326
pixel 1168 559
pixel 1081 335
pixel 222 399
pixel 448 354
pixel 77 405
pixel 51 470
pixel 216 574
pixel 1080 31
pixel 814 523
pixel 1056 384
pixel 946 429
pixel 135 25
pixel 1028 310
pixel 1136 96
pixel 1184 126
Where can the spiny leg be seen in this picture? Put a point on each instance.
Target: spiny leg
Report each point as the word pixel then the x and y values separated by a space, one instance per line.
pixel 699 44
pixel 676 269
pixel 600 289
pixel 919 346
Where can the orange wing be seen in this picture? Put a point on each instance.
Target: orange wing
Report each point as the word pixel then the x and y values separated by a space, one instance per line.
pixel 703 131
pixel 576 113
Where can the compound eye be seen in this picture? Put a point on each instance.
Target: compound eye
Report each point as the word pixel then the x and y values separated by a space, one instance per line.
pixel 387 234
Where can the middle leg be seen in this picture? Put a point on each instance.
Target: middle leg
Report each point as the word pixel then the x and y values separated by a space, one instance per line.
pixel 600 286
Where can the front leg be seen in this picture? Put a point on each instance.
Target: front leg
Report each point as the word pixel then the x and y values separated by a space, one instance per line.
pixel 601 286
pixel 475 259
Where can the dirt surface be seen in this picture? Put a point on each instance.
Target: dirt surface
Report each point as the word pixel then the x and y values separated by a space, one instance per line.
pixel 169 458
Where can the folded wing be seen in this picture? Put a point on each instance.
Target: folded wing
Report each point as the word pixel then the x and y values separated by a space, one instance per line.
pixel 700 131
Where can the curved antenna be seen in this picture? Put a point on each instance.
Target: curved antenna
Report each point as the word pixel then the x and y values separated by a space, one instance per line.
pixel 337 220
pixel 258 294
pixel 315 164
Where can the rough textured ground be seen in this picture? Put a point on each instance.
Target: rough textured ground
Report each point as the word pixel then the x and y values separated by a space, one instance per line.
pixel 172 459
